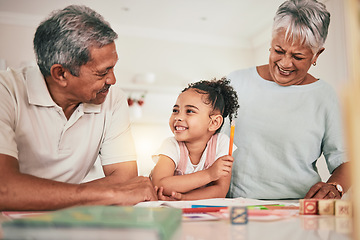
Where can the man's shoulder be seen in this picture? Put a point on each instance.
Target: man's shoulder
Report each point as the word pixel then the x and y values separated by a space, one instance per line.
pixel 12 79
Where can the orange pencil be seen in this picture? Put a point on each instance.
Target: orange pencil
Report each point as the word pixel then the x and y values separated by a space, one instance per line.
pixel 232 131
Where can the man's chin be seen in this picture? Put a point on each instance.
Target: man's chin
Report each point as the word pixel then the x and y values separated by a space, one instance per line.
pixel 98 100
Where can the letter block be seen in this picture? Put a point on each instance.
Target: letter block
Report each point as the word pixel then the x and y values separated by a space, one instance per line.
pixel 308 206
pixel 326 206
pixel 238 215
pixel 343 208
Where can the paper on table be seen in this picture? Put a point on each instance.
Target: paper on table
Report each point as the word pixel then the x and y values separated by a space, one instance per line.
pixel 194 217
pixel 242 202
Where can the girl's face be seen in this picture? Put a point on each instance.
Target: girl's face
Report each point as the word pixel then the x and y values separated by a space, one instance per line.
pixel 190 119
pixel 288 62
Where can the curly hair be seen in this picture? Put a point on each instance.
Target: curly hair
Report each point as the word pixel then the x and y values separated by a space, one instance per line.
pixel 220 95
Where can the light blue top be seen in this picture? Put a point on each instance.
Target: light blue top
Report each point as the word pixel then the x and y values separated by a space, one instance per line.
pixel 280 133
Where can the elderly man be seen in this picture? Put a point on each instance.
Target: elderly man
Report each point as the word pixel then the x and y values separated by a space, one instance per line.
pixel 54 123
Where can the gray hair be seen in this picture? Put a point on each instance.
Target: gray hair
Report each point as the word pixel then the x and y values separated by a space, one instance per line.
pixel 66 38
pixel 304 20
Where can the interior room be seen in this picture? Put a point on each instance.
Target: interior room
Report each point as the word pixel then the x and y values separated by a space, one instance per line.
pixel 164 45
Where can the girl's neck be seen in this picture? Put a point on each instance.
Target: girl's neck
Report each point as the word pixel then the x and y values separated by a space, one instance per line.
pixel 196 149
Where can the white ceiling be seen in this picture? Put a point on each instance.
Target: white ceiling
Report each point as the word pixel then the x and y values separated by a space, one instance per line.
pixel 226 22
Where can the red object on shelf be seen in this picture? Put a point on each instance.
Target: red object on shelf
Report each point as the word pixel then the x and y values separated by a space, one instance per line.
pixel 130 101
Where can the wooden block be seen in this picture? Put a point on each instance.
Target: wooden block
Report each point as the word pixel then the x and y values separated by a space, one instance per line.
pixel 326 206
pixel 238 215
pixel 343 208
pixel 308 206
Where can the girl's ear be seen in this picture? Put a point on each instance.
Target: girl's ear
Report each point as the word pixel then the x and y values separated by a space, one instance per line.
pixel 215 123
pixel 59 73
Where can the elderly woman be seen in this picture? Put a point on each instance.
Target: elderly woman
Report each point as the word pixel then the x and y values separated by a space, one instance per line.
pixel 287 117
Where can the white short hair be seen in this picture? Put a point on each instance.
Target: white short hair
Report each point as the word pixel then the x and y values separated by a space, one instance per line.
pixel 306 21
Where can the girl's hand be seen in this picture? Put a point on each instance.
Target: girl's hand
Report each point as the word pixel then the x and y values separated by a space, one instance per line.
pixel 221 167
pixel 175 196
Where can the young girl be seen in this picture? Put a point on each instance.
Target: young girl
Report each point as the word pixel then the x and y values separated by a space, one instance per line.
pixel 194 164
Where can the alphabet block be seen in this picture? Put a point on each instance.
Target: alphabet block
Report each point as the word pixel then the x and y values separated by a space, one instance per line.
pixel 308 206
pixel 343 208
pixel 238 215
pixel 326 206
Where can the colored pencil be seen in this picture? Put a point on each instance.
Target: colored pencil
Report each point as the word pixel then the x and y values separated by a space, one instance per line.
pixel 232 132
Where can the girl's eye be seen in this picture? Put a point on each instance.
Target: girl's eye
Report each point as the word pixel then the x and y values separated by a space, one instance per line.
pixel 189 111
pixel 175 110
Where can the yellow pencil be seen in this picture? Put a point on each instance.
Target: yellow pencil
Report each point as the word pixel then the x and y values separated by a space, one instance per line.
pixel 232 131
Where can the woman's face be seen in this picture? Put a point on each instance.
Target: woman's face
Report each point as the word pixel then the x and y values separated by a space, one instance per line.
pixel 289 62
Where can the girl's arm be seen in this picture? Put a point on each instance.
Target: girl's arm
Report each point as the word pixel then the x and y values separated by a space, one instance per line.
pixel 217 189
pixel 163 176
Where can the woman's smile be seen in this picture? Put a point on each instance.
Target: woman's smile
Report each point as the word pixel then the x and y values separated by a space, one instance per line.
pixel 284 72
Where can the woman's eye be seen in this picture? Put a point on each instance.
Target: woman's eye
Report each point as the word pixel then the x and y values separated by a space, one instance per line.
pixel 298 58
pixel 278 52
pixel 189 111
pixel 174 110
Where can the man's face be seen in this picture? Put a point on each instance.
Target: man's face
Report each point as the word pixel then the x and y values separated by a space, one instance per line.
pixel 95 77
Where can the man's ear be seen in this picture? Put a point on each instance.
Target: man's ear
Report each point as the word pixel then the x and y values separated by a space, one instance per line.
pixel 216 121
pixel 59 74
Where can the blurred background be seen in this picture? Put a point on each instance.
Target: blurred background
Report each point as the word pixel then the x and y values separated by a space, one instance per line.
pixel 165 44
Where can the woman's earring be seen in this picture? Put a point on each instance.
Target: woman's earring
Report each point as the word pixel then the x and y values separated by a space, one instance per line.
pixel 314 64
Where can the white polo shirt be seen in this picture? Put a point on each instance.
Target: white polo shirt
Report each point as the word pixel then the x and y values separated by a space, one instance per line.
pixel 34 129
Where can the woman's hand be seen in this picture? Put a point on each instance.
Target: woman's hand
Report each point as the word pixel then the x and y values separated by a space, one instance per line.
pixel 323 190
pixel 221 167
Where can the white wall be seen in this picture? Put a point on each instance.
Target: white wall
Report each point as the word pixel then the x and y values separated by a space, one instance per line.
pixel 16 44
pixel 177 63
